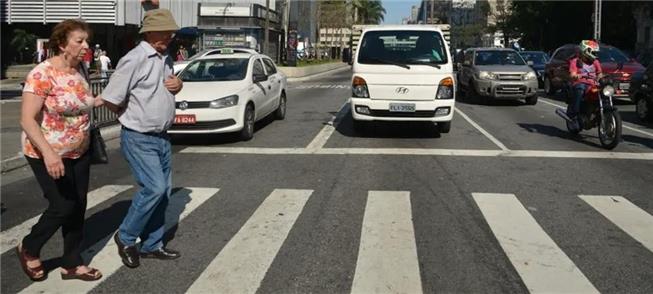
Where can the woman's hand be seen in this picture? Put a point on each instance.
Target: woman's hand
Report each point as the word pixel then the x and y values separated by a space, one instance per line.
pixel 54 165
pixel 97 101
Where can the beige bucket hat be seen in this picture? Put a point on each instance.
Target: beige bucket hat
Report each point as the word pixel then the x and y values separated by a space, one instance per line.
pixel 158 20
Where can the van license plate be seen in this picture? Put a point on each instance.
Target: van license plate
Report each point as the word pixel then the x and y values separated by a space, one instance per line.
pixel 402 107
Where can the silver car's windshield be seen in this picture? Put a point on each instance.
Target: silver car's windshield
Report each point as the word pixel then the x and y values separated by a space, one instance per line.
pixel 498 57
pixel 224 69
pixel 402 47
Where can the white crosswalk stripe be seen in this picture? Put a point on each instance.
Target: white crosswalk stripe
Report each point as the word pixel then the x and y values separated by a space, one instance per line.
pixel 628 217
pixel 11 237
pixel 241 265
pixel 387 256
pixel 105 253
pixel 542 265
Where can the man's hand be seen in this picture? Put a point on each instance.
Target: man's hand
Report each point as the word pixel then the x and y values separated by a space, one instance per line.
pixel 97 102
pixel 575 76
pixel 173 84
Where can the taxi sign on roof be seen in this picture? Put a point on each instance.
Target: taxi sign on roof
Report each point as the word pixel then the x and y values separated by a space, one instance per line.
pixel 227 51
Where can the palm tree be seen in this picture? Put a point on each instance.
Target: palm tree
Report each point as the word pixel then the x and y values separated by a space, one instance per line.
pixel 368 11
pixel 23 42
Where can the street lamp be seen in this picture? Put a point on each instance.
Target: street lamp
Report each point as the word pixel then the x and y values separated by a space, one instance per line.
pixel 597 19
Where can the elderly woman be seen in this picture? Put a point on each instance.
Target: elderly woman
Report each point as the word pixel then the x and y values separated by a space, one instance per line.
pixel 55 119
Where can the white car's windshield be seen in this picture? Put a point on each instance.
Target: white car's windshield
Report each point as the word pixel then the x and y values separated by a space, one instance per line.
pixel 492 57
pixel 225 69
pixel 402 47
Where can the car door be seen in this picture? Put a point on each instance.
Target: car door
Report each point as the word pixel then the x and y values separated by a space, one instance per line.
pixel 259 89
pixel 275 84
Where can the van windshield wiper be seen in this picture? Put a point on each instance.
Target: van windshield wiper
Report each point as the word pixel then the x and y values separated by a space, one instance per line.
pixel 390 62
pixel 430 64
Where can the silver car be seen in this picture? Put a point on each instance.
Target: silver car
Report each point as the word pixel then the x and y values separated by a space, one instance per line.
pixel 497 73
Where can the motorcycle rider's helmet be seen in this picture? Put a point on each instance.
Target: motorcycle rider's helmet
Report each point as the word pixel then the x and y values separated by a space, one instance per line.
pixel 589 49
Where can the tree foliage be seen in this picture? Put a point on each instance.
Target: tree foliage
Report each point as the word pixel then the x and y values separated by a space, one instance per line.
pixel 24 43
pixel 368 11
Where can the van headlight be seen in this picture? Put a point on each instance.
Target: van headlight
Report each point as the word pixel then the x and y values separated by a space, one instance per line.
pixel 359 88
pixel 445 89
pixel 224 102
pixel 530 76
pixel 487 75
pixel 608 91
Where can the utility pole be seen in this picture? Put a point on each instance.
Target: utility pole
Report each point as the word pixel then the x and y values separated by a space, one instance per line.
pixel 432 11
pixel 286 20
pixel 597 20
pixel 266 42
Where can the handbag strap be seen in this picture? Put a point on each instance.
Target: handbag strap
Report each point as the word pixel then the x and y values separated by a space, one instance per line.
pixel 84 71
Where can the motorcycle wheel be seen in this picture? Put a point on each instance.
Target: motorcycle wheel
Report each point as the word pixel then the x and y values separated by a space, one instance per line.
pixel 571 129
pixel 610 129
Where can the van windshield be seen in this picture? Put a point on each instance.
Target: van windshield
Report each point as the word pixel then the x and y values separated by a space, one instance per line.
pixel 402 47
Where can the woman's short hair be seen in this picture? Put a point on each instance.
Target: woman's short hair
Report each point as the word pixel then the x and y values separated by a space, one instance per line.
pixel 59 36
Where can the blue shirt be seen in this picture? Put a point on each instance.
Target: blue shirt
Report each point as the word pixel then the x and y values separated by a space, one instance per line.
pixel 138 83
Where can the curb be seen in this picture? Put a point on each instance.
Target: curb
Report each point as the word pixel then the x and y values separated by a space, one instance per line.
pixel 16 162
pixel 319 75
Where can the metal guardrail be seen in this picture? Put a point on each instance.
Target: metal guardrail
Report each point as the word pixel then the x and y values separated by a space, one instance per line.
pixel 102 116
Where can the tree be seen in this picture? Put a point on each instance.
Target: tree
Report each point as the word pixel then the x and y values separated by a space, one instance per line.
pixel 368 11
pixel 502 13
pixel 23 42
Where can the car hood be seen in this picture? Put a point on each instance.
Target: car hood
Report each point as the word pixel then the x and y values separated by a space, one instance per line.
pixel 505 68
pixel 207 91
pixel 629 67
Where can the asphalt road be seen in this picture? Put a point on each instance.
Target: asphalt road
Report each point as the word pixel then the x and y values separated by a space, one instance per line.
pixel 506 202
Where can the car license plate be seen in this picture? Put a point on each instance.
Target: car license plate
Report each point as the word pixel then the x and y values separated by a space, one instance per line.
pixel 185 119
pixel 624 86
pixel 402 107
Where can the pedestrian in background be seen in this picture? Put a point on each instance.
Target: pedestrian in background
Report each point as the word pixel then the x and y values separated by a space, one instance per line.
pixel 141 90
pixel 96 58
pixel 88 57
pixel 55 119
pixel 105 64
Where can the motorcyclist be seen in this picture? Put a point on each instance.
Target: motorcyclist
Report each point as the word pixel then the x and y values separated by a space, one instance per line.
pixel 585 70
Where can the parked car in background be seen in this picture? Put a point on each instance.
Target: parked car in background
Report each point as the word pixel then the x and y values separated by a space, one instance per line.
pixel 497 73
pixel 179 65
pixel 536 60
pixel 228 92
pixel 642 93
pixel 613 62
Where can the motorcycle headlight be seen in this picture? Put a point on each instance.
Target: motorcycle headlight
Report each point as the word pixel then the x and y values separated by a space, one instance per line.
pixel 487 75
pixel 608 91
pixel 530 76
pixel 224 102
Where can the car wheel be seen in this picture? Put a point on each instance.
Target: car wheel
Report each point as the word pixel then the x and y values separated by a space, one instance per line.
pixel 280 113
pixel 548 88
pixel 643 109
pixel 444 127
pixel 247 133
pixel 531 100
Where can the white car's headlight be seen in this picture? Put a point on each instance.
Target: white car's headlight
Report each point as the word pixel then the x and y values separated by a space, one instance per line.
pixel 224 102
pixel 608 91
pixel 530 76
pixel 487 75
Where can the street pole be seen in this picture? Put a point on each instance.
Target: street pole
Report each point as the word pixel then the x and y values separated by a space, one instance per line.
pixel 597 20
pixel 432 11
pixel 286 15
pixel 266 42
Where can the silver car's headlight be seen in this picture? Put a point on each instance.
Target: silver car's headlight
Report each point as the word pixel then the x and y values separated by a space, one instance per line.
pixel 530 76
pixel 487 75
pixel 608 91
pixel 224 102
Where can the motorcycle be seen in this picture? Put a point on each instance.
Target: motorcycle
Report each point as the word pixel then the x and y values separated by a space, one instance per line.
pixel 597 110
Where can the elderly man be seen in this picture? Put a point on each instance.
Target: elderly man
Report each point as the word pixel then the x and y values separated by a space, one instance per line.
pixel 142 90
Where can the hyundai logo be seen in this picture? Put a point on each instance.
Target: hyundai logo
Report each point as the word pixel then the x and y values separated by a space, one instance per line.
pixel 183 105
pixel 401 90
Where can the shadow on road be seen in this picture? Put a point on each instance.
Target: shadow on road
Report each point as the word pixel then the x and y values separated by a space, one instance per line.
pixel 559 133
pixel 382 129
pixel 216 139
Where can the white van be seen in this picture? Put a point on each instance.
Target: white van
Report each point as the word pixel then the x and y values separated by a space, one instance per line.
pixel 403 73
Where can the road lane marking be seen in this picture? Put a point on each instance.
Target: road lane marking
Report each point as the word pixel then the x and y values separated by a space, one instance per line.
pixel 623 123
pixel 483 131
pixel 105 253
pixel 242 264
pixel 11 237
pixel 321 139
pixel 387 256
pixel 541 264
pixel 422 151
pixel 627 216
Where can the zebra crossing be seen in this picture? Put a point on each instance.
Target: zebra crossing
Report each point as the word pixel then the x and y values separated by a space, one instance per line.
pixel 387 257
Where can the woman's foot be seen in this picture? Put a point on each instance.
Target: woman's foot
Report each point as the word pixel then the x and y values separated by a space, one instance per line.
pixel 31 265
pixel 81 272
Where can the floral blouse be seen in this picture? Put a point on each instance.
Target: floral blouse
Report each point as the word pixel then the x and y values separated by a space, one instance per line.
pixel 64 119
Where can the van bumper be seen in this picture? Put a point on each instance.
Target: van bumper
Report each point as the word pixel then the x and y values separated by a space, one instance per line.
pixel 379 110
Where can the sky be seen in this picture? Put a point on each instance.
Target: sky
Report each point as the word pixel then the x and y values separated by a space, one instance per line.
pixel 397 9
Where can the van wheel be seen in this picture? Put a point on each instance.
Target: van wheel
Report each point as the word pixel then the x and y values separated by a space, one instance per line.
pixel 531 100
pixel 444 127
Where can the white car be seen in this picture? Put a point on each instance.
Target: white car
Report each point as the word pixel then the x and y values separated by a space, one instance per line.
pixel 179 65
pixel 403 73
pixel 229 92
